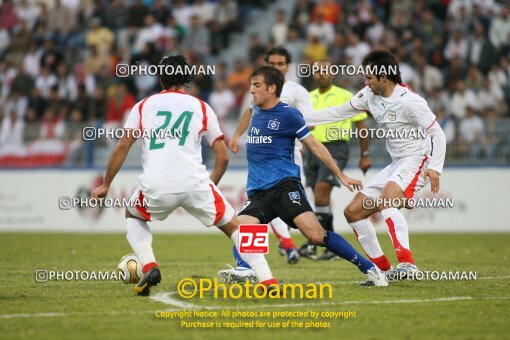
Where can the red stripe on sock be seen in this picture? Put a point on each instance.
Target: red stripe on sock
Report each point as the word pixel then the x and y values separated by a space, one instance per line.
pixel 381 262
pixel 403 254
pixel 272 281
pixel 286 242
pixel 149 266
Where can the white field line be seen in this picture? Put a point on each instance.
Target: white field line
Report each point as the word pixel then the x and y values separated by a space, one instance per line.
pixel 165 297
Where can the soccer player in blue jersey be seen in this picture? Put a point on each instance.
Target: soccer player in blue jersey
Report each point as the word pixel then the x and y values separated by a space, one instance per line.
pixel 274 187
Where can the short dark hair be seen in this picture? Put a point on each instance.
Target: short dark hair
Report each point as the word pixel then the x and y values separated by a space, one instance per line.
pixel 177 79
pixel 279 50
pixel 272 76
pixel 383 60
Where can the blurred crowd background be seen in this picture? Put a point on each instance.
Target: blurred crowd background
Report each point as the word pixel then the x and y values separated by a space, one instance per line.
pixel 58 60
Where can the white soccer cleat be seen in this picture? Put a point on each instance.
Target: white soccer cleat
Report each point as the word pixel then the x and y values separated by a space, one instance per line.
pixel 236 275
pixel 375 277
pixel 406 270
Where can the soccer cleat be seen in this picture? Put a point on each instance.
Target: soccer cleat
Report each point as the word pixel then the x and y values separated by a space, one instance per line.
pixel 281 250
pixel 375 277
pixel 149 279
pixel 328 255
pixel 406 269
pixel 308 250
pixel 236 275
pixel 292 256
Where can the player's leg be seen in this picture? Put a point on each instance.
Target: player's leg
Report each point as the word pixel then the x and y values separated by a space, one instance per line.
pixel 403 183
pixel 293 207
pixel 256 261
pixel 211 208
pixel 357 214
pixel 139 237
pixel 322 194
pixel 309 225
pixel 311 170
pixel 281 230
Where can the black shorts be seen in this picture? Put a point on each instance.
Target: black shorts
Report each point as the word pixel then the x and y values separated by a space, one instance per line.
pixel 286 200
pixel 316 171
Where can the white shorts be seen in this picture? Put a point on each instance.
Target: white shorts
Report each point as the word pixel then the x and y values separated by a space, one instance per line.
pixel 209 206
pixel 407 173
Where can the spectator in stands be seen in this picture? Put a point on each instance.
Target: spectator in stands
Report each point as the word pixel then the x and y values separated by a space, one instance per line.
pixel 499 32
pixel 149 33
pixel 279 29
pixel 323 29
pixel 120 102
pixel 492 133
pixel 356 49
pixel 225 16
pixel 474 78
pixel 447 124
pixel 99 36
pixel 471 130
pixel 315 49
pixel 51 132
pixel 238 81
pixel 257 48
pixel 182 13
pixel 11 136
pixel 491 97
pixel 16 105
pixel 461 100
pixel 427 77
pixel 222 100
pixel 204 10
pixel 480 50
pixel 32 60
pixel 301 17
pixel 327 9
pixel 22 82
pixel 27 12
pixel 67 87
pixel 45 81
pixel 457 46
pixel 196 41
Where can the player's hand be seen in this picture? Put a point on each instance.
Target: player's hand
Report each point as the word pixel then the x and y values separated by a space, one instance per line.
pixel 364 164
pixel 434 179
pixel 234 144
pixel 100 192
pixel 351 183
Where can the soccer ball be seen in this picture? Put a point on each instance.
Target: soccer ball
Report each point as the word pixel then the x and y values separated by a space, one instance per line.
pixel 130 268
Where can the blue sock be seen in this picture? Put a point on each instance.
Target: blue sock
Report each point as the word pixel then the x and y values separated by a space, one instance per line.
pixel 239 260
pixel 338 245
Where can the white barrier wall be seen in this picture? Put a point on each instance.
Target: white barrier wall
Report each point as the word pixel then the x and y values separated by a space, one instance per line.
pixel 29 201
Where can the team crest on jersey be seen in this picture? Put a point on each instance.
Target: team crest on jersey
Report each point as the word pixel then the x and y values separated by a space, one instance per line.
pixel 392 115
pixel 273 125
pixel 295 197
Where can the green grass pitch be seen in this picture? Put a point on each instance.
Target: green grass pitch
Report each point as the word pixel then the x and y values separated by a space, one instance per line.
pixel 477 309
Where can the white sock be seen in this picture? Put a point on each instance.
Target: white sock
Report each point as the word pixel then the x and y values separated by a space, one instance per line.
pixel 256 261
pixel 367 237
pixel 280 227
pixel 140 239
pixel 399 233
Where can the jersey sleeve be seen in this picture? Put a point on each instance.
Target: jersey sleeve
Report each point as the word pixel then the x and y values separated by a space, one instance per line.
pixel 133 120
pixel 213 126
pixel 298 125
pixel 359 117
pixel 419 112
pixel 360 100
pixel 303 101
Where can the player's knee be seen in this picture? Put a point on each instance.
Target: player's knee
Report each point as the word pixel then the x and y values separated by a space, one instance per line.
pixel 317 237
pixel 321 199
pixel 351 214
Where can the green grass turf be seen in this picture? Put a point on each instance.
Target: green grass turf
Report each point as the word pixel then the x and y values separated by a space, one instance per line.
pixel 109 310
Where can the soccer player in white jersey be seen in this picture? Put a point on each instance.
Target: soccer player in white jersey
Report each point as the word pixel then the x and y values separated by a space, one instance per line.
pixel 297 97
pixel 173 173
pixel 415 161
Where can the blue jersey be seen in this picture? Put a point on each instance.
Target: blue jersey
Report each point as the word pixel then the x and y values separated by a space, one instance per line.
pixel 270 146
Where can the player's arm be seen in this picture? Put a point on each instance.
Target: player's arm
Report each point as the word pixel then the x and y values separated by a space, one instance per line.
pixel 221 162
pixel 115 162
pixel 364 161
pixel 423 117
pixel 241 128
pixel 323 154
pixel 338 113
pixel 437 157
